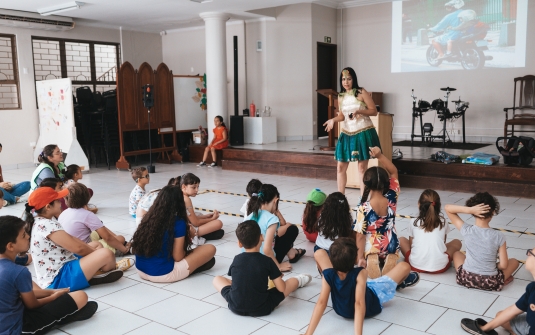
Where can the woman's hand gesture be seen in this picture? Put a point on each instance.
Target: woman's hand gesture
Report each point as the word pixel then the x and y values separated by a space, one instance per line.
pixel 329 125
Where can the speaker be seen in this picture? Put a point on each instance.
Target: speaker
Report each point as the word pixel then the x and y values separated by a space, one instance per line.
pixel 236 130
pixel 148 98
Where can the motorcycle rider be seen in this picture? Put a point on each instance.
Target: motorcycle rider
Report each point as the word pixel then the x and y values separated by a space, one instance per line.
pixel 451 20
pixel 468 19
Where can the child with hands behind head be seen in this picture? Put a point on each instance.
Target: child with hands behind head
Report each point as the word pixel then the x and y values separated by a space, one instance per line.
pixel 426 249
pixel 248 294
pixel 353 295
pixel 377 240
pixel 478 269
pixel 204 226
pixel 278 242
pixel 518 319
pixel 25 308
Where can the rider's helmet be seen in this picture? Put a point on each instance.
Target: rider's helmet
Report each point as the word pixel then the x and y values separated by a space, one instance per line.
pixel 455 4
pixel 467 15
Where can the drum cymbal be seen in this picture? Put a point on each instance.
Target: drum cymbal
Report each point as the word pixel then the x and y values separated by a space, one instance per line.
pixel 448 89
pixel 457 101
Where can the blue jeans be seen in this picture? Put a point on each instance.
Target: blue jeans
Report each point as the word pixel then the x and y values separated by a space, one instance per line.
pixel 16 191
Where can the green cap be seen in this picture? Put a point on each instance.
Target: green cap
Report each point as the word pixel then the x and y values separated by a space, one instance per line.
pixel 317 197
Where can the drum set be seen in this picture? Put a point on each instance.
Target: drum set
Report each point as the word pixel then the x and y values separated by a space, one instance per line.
pixel 443 112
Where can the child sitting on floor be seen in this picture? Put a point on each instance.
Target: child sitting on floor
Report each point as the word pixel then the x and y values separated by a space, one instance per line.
pixel 352 296
pixel 73 173
pixel 86 226
pixel 279 242
pixel 335 222
pixel 426 249
pixel 315 200
pixel 23 309
pixel 141 177
pixel 207 226
pixel 478 269
pixel 248 294
pixel 517 319
pixel 377 240
pixel 53 250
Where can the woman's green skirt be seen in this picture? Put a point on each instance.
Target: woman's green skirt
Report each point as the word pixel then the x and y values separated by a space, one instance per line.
pixel 351 148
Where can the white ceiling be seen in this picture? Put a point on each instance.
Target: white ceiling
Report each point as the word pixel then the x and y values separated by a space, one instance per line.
pixel 159 15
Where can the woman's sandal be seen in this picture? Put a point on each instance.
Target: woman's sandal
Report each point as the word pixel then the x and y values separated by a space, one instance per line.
pixel 300 253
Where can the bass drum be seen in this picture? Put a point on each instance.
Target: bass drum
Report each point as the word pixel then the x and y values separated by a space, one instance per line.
pixel 424 106
pixel 437 104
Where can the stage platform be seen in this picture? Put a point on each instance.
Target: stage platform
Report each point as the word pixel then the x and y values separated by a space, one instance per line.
pixel 304 159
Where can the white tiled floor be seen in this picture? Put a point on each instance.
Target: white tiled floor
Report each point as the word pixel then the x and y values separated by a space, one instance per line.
pixel 192 306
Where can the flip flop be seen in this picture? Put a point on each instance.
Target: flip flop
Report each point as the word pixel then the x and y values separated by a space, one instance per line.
pixel 300 253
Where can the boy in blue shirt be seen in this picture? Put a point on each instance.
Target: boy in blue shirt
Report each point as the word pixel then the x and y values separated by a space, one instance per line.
pixel 352 295
pixel 517 319
pixel 24 307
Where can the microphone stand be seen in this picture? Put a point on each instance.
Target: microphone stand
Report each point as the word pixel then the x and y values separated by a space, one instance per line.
pixel 150 168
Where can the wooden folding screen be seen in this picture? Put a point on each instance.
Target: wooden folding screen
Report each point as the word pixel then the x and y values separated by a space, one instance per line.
pixel 132 113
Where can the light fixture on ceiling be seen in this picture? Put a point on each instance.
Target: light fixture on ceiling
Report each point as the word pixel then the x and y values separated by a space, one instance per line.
pixel 201 1
pixel 60 8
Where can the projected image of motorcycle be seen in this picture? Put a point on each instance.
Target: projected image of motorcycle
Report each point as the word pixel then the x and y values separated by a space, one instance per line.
pixel 464 43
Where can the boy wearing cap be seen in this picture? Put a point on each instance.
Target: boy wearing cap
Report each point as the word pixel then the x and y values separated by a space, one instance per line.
pixel 26 309
pixel 315 200
pixel 55 252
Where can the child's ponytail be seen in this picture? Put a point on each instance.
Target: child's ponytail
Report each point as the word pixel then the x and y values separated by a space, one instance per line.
pixel 429 216
pixel 310 217
pixel 27 216
pixel 377 179
pixel 266 194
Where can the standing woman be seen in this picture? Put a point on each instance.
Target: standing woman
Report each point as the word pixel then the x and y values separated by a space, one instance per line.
pixel 358 133
pixel 51 159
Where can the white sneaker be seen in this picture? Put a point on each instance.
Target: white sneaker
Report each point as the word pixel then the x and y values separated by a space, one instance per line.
pixel 197 241
pixel 212 165
pixel 303 279
pixel 201 164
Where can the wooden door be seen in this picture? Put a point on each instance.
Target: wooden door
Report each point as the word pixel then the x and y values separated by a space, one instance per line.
pixel 164 95
pixel 126 97
pixel 145 75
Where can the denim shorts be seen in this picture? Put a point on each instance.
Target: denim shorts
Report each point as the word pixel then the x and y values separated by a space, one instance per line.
pixel 383 287
pixel 520 325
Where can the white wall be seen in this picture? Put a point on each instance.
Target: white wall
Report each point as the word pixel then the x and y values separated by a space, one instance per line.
pixel 367 33
pixel 20 127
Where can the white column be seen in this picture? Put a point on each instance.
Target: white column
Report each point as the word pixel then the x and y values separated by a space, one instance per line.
pixel 216 67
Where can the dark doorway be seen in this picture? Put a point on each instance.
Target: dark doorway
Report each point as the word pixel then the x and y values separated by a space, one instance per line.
pixel 327 78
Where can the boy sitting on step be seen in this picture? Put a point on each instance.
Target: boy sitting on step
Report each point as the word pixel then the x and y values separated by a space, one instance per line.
pixel 248 293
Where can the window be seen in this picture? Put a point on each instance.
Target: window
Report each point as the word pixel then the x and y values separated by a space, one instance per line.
pixel 9 78
pixel 86 63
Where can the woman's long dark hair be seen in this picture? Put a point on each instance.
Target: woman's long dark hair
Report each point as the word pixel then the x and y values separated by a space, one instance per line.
pixel 353 76
pixel 160 219
pixel 310 217
pixel 429 216
pixel 43 158
pixel 335 220
pixel 220 118
pixel 266 194
pixel 375 178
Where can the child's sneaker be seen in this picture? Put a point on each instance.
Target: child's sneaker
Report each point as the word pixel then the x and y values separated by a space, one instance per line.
pixel 197 241
pixel 390 262
pixel 412 279
pixel 212 165
pixel 201 164
pixel 303 279
pixel 125 264
pixel 474 326
pixel 106 277
pixel 373 269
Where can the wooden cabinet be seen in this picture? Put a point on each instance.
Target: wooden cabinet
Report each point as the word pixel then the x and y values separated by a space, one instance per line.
pixel 383 126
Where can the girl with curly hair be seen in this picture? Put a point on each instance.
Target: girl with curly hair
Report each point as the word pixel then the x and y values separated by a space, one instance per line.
pixel 162 242
pixel 478 269
pixel 335 221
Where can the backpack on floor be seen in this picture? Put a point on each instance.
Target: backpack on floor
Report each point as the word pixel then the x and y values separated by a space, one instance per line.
pixel 519 150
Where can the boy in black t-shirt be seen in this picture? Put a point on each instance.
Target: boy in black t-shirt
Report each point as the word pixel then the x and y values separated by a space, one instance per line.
pixel 247 293
pixel 26 309
pixel 517 319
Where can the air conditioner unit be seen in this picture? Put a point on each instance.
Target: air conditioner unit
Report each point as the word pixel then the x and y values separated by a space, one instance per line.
pixel 16 19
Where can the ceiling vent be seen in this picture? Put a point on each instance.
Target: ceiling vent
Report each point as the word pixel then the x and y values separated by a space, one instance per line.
pixel 16 19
